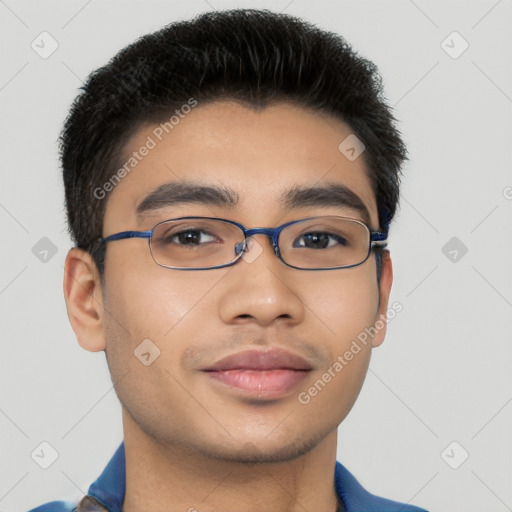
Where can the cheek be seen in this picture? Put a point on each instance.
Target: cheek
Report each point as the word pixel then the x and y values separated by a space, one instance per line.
pixel 148 300
pixel 331 395
pixel 342 308
pixel 145 308
pixel 345 303
pixel 153 304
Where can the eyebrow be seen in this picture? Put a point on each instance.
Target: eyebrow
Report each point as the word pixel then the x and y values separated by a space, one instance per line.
pixel 330 194
pixel 189 192
pixel 180 192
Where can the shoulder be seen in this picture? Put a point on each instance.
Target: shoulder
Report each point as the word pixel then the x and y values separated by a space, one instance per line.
pixel 357 499
pixel 86 504
pixel 56 506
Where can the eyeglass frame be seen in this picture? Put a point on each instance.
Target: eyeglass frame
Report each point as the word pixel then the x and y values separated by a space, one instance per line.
pixel 376 239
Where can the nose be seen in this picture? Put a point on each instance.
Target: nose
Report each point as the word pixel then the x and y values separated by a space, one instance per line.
pixel 260 288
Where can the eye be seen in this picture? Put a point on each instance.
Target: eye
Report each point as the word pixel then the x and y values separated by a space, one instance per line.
pixel 319 240
pixel 189 237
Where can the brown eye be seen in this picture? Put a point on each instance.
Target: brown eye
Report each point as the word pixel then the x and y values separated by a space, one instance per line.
pixel 189 237
pixel 319 240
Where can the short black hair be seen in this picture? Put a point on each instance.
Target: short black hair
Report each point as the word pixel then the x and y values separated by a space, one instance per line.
pixel 256 57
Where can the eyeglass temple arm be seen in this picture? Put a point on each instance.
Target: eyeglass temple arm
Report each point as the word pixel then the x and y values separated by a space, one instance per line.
pixel 378 239
pixel 126 234
pixel 94 246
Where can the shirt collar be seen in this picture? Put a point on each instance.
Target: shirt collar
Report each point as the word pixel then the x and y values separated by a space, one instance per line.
pixel 109 489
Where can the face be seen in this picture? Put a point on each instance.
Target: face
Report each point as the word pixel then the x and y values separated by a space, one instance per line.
pixel 282 330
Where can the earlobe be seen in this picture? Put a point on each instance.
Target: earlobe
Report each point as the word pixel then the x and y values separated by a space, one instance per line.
pixel 386 280
pixel 84 301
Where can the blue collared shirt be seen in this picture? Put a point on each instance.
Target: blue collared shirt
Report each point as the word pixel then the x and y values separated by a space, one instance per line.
pixel 106 494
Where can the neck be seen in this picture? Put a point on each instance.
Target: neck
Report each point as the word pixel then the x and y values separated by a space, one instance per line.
pixel 168 478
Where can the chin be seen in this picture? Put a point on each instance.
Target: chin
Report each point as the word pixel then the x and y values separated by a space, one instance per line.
pixel 282 448
pixel 250 453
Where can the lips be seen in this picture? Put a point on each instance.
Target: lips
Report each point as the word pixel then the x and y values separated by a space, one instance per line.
pixel 275 359
pixel 268 374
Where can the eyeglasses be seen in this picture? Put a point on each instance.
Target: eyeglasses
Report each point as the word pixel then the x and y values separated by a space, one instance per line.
pixel 314 243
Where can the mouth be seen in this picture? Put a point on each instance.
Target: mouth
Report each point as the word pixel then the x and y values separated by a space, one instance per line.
pixel 265 375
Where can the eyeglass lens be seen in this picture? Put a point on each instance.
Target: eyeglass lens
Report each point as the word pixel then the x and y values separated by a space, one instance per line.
pixel 319 242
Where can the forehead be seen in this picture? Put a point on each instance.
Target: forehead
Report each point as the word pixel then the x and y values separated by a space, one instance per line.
pixel 257 155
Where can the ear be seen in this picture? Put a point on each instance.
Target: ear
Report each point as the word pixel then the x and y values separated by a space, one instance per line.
pixel 386 280
pixel 84 300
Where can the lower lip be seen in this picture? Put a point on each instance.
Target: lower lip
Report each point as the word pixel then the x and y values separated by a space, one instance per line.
pixel 262 383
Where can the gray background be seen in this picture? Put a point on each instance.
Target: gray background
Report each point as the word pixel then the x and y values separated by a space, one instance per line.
pixel 443 373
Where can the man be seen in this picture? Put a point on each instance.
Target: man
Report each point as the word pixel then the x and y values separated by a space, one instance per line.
pixel 229 183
